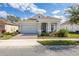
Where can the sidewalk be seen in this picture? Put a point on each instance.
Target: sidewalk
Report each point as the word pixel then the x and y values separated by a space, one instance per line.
pixel 17 42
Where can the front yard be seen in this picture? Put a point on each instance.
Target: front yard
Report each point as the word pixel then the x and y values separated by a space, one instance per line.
pixel 5 36
pixel 70 35
pixel 62 33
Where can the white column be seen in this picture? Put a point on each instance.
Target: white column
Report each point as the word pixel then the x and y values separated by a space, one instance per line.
pixel 49 27
pixel 58 27
pixel 39 28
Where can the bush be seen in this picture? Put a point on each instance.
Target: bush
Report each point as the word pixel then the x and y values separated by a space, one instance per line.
pixel 62 33
pixel 54 34
pixel 44 34
pixel 7 33
pixel 13 34
pixel 3 31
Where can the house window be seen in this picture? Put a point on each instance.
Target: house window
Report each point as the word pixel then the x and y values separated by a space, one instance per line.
pixel 38 16
pixel 52 27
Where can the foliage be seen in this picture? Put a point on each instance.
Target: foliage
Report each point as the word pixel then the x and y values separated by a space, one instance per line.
pixel 13 18
pixel 59 42
pixel 62 33
pixel 44 34
pixel 73 12
pixel 7 35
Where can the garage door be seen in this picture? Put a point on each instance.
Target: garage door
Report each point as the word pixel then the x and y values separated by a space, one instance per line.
pixel 29 29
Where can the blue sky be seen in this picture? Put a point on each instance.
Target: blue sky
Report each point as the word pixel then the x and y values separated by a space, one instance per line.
pixel 29 10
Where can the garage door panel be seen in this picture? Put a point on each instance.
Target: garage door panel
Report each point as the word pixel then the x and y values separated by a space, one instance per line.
pixel 29 28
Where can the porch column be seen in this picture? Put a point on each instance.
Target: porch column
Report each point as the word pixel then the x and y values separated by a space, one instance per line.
pixel 49 27
pixel 39 28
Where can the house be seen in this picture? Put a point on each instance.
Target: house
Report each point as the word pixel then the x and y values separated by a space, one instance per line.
pixel 70 27
pixel 38 24
pixel 7 26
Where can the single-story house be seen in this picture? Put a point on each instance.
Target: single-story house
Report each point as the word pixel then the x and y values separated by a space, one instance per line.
pixel 7 26
pixel 70 27
pixel 38 24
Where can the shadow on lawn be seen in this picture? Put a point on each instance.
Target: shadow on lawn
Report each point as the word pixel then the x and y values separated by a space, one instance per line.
pixel 61 47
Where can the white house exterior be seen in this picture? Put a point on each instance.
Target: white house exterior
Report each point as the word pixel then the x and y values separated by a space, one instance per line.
pixel 38 24
pixel 70 27
pixel 7 26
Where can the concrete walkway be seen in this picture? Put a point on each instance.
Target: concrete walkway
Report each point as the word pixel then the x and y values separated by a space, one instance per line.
pixel 19 43
pixel 20 40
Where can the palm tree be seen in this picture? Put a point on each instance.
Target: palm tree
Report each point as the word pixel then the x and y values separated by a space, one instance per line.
pixel 73 12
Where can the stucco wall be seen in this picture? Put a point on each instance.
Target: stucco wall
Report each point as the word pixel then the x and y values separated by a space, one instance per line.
pixel 70 27
pixel 11 28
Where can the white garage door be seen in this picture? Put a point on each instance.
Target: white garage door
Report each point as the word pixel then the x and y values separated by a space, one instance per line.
pixel 29 29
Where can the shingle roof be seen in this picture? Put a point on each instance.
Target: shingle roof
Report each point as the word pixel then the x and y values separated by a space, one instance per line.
pixel 2 21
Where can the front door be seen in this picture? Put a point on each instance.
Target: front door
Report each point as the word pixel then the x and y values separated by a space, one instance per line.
pixel 43 27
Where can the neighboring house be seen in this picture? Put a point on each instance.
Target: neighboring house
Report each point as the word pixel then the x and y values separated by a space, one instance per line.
pixel 7 26
pixel 38 24
pixel 70 27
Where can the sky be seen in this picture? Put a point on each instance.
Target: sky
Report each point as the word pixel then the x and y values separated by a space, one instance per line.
pixel 27 10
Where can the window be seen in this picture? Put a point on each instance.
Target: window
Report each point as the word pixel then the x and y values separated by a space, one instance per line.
pixel 38 16
pixel 52 27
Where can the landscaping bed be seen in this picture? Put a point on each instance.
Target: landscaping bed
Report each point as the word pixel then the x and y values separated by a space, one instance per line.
pixel 6 35
pixel 59 42
pixel 62 33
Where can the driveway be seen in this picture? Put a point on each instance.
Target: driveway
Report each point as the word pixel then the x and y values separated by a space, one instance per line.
pixel 20 40
pixel 25 36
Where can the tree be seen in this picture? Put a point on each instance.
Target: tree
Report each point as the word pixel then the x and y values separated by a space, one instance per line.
pixel 73 14
pixel 13 18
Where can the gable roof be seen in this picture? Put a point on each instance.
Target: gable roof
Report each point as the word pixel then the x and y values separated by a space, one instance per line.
pixel 40 16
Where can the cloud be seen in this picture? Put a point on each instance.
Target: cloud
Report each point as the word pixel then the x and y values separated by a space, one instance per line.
pixel 61 17
pixel 56 12
pixel 28 6
pixel 3 14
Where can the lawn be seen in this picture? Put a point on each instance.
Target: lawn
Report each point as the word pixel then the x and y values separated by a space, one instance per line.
pixel 59 42
pixel 73 35
pixel 6 36
pixel 70 35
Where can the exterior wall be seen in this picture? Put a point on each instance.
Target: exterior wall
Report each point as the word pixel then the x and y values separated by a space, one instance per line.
pixel 49 27
pixel 11 28
pixel 70 27
pixel 39 28
pixel 2 27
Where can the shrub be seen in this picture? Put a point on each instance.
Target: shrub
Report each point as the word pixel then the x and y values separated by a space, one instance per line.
pixel 13 34
pixel 7 33
pixel 54 34
pixel 44 34
pixel 3 31
pixel 62 33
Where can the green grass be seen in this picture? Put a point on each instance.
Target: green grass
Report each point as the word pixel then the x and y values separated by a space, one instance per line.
pixel 6 36
pixel 70 35
pixel 73 35
pixel 59 42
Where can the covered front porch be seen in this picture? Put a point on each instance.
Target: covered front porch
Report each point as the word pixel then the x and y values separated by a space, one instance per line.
pixel 47 27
